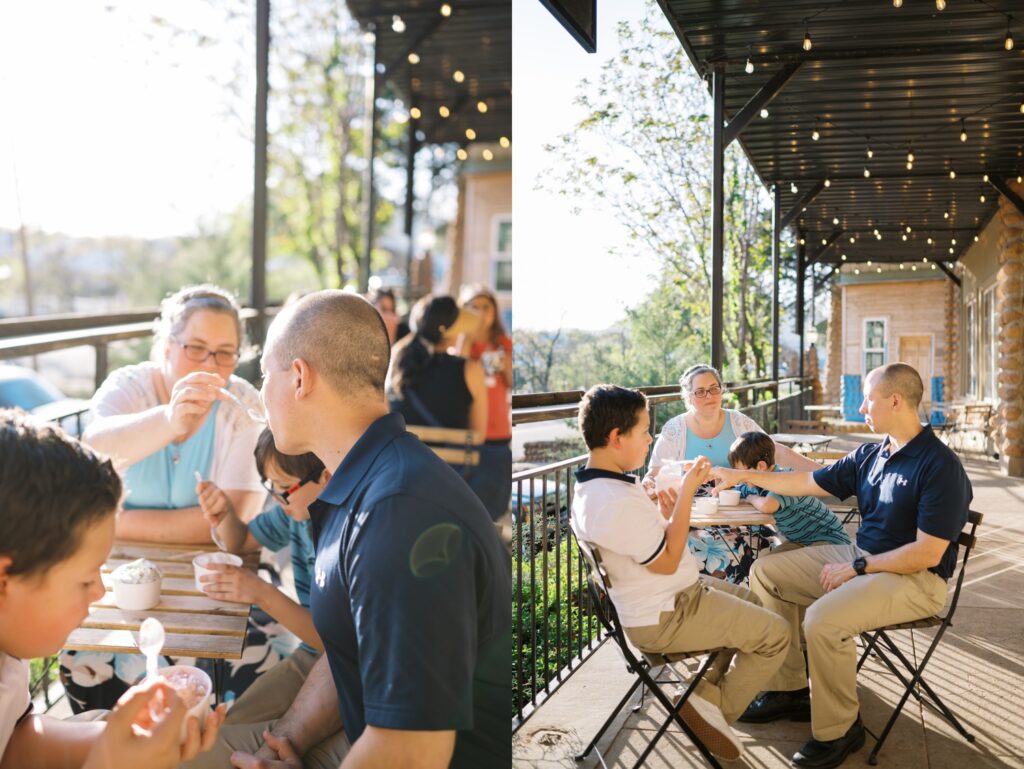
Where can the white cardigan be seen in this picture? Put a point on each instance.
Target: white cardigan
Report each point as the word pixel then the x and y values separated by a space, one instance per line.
pixel 131 390
pixel 671 444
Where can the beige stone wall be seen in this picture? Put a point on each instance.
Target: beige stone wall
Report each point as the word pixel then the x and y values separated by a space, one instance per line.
pixel 912 308
pixel 1009 418
pixel 487 198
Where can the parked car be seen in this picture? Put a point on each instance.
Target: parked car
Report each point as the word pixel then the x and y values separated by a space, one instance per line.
pixel 23 388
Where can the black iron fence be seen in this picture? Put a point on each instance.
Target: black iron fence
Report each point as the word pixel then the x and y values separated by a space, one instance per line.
pixel 554 627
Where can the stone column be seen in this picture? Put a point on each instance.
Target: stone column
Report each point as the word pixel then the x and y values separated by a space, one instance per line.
pixel 953 308
pixel 1009 417
pixel 834 354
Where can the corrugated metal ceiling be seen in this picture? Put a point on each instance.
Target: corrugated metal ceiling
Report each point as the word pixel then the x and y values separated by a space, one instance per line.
pixel 475 39
pixel 897 80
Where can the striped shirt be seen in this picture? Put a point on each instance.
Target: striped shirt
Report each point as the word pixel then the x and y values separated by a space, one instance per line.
pixel 803 520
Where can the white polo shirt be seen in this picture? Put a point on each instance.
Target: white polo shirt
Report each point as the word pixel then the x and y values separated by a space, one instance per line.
pixel 611 511
pixel 14 700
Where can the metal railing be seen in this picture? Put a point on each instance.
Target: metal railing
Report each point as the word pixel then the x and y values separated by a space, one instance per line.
pixel 22 337
pixel 554 628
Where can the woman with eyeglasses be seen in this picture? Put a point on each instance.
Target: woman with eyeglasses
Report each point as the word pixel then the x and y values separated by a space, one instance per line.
pixel 164 420
pixel 708 429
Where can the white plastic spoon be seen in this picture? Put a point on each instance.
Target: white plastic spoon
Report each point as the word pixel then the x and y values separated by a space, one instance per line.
pixel 151 643
pixel 214 534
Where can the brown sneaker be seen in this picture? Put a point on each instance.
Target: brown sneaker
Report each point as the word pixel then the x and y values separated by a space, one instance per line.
pixel 708 723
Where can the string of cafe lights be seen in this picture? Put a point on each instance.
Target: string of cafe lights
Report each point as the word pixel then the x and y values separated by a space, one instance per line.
pixel 398 26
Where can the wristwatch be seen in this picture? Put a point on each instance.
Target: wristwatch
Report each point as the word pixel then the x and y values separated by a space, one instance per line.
pixel 860 565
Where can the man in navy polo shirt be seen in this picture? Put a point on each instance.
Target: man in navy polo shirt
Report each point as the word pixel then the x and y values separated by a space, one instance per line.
pixel 412 586
pixel 914 496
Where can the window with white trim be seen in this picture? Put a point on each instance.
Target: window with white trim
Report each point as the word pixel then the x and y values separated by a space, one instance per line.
pixel 874 343
pixel 989 339
pixel 502 254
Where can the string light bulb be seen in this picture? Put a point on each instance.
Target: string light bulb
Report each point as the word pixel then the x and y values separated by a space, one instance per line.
pixel 415 113
pixel 414 58
pixel 1008 40
pixel 835 220
pixel 1022 106
pixel 981 197
pixel 843 257
pixel 897 3
pixel 867 172
pixel 930 241
pixel 470 134
pixel 749 67
pixel 446 10
pixel 852 240
pixel 481 106
pixel 793 188
pixel 815 134
pixel 945 214
pixel 504 142
pixel 904 237
pixel 488 155
pixel 901 265
pixel 869 262
pixel 963 131
pixel 870 152
pixel 856 271
pixel 908 228
pixel 828 182
pixel 807 39
pixel 940 5
pixel 397 25
pixel 764 113
pixel 985 178
pixel 952 173
pixel 975 238
pixel 878 269
pixel 910 155
pixel 461 154
pixel 458 76
pixel 443 111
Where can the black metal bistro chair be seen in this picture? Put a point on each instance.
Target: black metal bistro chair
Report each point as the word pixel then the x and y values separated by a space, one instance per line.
pixel 646 667
pixel 879 643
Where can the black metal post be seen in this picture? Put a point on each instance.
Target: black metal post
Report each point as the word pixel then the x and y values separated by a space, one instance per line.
pixel 368 180
pixel 259 183
pixel 717 215
pixel 410 199
pixel 800 269
pixel 776 264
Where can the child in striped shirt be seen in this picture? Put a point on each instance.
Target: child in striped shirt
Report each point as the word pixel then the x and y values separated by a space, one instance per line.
pixel 801 520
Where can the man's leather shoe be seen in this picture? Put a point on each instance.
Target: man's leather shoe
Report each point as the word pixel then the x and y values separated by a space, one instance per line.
pixel 771 706
pixel 829 754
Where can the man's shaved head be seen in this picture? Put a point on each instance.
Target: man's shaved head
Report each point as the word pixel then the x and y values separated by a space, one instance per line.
pixel 340 335
pixel 900 378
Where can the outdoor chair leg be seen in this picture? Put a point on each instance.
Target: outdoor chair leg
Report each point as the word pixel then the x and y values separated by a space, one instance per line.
pixel 673 715
pixel 607 723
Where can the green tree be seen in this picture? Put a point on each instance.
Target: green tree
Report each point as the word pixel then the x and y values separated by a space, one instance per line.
pixel 642 152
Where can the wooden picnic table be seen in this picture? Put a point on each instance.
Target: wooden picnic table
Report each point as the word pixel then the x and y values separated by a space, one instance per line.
pixel 196 626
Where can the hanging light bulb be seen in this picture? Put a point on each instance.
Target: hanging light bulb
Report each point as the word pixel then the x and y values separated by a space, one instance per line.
pixel 908 228
pixel 843 257
pixel 814 134
pixel 446 9
pixel 904 237
pixel 504 142
pixel 963 131
pixel 985 178
pixel 828 182
pixel 952 242
pixel 397 25
pixel 975 238
pixel 913 268
pixel 488 155
pixel 878 269
pixel 414 58
pixel 951 250
pixel 807 39
pixel 803 242
pixel 981 197
pixel 1022 106
pixel 910 166
pixel 869 262
pixel 458 76
pixel 897 3
pixel 925 260
pixel 443 111
pixel 901 265
pixel 461 154
pixel 952 173
pixel 764 112
pixel 749 68
pixel 930 241
pixel 793 188
pixel 470 134
pixel 853 239
pixel 945 214
pixel 835 220
pixel 481 106
pixel 1008 40
pixel 824 242
pixel 910 155
pixel 870 152
pixel 856 270
pixel 867 172
pixel 415 113
pixel 940 5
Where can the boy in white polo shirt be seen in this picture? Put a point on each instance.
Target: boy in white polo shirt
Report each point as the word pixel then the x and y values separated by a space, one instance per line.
pixel 662 602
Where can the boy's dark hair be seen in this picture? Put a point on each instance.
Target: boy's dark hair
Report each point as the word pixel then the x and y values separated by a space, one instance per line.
pixel 52 489
pixel 605 407
pixel 751 448
pixel 299 466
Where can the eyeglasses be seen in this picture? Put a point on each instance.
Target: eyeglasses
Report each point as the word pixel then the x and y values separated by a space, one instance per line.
pixel 198 353
pixel 282 496
pixel 704 392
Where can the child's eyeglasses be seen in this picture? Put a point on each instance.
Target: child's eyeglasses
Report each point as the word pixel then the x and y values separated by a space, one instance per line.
pixel 704 392
pixel 282 496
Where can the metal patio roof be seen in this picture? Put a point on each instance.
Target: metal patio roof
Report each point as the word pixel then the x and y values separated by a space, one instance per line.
pixel 897 80
pixel 475 39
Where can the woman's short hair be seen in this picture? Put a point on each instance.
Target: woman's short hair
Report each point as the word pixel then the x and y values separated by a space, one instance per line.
pixel 686 380
pixel 177 308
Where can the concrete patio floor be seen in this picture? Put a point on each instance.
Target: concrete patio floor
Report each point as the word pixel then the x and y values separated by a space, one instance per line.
pixel 978 670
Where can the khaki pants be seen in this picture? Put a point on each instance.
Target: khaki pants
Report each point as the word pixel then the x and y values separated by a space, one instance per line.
pixel 789 582
pixel 713 613
pixel 259 707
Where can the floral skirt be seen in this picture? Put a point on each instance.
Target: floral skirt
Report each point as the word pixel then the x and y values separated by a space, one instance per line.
pixel 728 553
